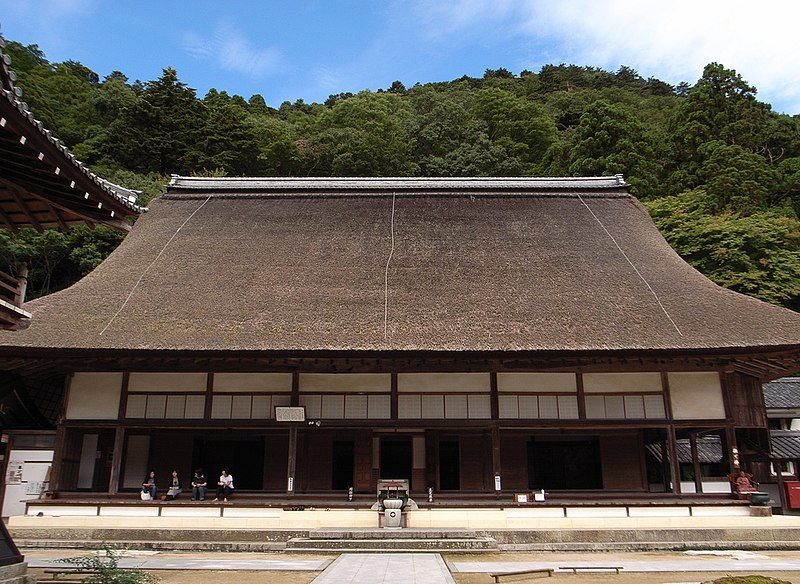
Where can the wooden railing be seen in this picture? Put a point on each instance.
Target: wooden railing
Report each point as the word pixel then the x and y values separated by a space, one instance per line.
pixel 12 289
pixel 12 296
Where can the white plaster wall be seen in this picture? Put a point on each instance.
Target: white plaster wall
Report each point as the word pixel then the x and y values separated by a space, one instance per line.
pixel 88 461
pixel 167 382
pixel 94 396
pixel 355 382
pixel 137 454
pixel 533 382
pixel 696 395
pixel 251 382
pixel 437 382
pixel 619 382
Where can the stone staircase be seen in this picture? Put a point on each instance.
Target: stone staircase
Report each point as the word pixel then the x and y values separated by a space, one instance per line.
pixel 394 540
pixel 16 574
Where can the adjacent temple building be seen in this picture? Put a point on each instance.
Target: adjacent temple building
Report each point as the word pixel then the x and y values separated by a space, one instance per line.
pixel 477 337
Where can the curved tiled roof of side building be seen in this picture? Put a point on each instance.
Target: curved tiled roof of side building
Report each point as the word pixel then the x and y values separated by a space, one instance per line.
pixel 13 94
pixel 328 264
pixel 785 444
pixel 783 393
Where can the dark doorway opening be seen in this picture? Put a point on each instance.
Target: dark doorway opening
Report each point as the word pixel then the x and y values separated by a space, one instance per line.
pixel 564 464
pixel 343 465
pixel 396 459
pixel 449 465
pixel 244 459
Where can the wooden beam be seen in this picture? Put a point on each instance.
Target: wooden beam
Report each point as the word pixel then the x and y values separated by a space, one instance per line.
pixel 13 189
pixel 4 218
pixel 61 223
pixel 76 207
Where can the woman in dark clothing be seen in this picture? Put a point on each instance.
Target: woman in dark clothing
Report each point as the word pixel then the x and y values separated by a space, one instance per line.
pixel 174 487
pixel 199 485
pixel 149 484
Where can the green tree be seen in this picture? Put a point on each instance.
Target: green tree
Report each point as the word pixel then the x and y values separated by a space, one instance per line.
pixel 757 254
pixel 610 140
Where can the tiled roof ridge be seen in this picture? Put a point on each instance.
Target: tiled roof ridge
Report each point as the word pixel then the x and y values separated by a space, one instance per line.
pixel 13 94
pixel 235 187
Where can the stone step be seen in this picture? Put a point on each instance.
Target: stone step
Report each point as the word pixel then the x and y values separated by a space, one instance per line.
pixel 259 536
pixel 646 546
pixel 215 546
pixel 393 544
pixel 405 533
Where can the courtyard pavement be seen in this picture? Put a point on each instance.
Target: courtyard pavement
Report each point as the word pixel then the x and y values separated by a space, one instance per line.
pixel 423 568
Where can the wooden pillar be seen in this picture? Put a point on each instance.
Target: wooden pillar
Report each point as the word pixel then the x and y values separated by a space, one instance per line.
pixel 58 459
pixel 394 399
pixel 781 488
pixel 295 399
pixel 675 465
pixel 698 476
pixel 778 473
pixel 292 464
pixel 494 398
pixel 116 461
pixel 581 396
pixel 665 466
pixel 209 395
pixel 497 469
pixel 731 448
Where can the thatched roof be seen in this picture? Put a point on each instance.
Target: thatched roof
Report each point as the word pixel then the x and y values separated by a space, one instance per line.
pixel 478 264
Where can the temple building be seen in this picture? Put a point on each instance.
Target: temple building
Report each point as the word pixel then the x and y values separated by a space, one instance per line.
pixel 478 337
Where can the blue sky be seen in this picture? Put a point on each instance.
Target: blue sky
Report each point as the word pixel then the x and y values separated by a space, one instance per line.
pixel 310 49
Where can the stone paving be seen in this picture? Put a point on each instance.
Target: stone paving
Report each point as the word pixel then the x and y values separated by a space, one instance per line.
pixel 743 562
pixel 386 568
pixel 157 563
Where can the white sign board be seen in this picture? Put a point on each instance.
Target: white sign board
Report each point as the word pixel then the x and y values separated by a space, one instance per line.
pixel 290 414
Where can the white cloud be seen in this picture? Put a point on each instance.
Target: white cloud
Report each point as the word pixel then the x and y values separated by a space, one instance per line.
pixel 228 48
pixel 671 40
pixel 48 19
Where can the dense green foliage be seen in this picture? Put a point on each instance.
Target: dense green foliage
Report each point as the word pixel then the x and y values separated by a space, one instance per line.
pixel 718 170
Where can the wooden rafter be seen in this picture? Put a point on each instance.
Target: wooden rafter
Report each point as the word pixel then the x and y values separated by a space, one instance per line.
pixel 38 143
pixel 15 194
pixel 81 215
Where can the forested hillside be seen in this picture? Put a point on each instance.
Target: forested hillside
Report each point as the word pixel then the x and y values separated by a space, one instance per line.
pixel 718 170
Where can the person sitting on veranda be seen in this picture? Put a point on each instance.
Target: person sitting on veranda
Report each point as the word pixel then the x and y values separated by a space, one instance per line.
pixel 174 487
pixel 199 485
pixel 149 485
pixel 224 486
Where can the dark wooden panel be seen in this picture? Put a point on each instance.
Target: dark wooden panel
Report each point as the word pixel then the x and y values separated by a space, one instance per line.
pixel 620 458
pixel 745 400
pixel 514 461
pixel 276 453
pixel 172 451
pixel 473 455
pixel 319 453
pixel 362 453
